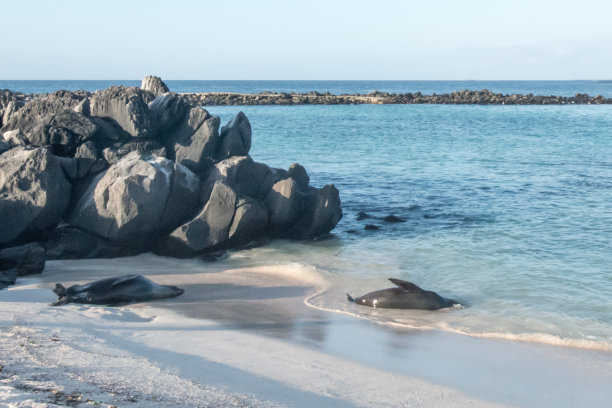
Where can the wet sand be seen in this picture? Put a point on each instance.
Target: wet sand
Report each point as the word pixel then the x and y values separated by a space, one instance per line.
pixel 246 337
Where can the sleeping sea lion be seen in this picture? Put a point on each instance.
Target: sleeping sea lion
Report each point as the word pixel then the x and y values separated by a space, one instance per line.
pixel 407 295
pixel 113 291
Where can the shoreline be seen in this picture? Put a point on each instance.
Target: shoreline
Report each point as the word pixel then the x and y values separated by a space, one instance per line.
pixel 462 97
pixel 245 337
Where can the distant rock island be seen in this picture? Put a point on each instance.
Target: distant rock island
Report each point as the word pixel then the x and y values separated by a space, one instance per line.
pixel 464 97
pixel 127 170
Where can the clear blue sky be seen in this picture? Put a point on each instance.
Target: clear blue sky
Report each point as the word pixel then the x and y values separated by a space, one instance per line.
pixel 308 39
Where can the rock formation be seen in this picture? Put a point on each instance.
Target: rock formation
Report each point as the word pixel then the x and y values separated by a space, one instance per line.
pixel 463 97
pixel 154 84
pixel 126 170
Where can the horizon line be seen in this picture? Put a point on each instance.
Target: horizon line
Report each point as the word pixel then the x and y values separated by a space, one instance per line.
pixel 334 80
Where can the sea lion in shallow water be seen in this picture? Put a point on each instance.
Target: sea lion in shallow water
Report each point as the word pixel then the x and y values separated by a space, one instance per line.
pixel 407 295
pixel 113 291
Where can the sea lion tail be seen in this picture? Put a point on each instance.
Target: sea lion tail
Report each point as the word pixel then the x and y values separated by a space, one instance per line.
pixel 59 290
pixel 349 298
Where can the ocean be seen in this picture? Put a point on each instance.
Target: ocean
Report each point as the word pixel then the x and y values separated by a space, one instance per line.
pixel 507 209
pixel 563 88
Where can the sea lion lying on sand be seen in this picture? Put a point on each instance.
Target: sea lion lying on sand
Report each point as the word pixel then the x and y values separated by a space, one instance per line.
pixel 113 291
pixel 406 296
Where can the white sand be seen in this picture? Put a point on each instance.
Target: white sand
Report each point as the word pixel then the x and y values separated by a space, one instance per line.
pixel 244 337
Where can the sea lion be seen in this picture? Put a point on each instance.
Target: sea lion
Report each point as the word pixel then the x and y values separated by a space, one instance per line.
pixel 406 296
pixel 114 291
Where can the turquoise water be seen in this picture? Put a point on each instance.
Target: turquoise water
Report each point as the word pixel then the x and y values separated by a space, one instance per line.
pixel 507 208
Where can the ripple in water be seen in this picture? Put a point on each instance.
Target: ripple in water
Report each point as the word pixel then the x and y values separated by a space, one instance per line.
pixel 508 208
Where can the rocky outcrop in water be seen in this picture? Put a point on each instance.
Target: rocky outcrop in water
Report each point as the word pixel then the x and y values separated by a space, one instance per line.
pixel 154 84
pixel 126 170
pixel 464 97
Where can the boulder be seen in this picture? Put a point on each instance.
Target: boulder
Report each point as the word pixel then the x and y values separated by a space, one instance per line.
pixel 127 107
pixel 154 84
pixel 235 137
pixel 4 146
pixel 167 111
pixel 10 102
pixel 83 107
pixel 8 277
pixel 127 203
pixel 15 138
pixel 144 147
pixel 27 259
pixel 108 131
pixel 87 151
pixel 283 203
pixel 249 223
pixel 209 229
pixel 298 173
pixel 245 176
pixel 183 200
pixel 322 210
pixel 35 111
pixel 34 192
pixel 10 110
pixel 61 132
pixel 393 218
pixel 70 166
pixel 194 141
pixel 68 242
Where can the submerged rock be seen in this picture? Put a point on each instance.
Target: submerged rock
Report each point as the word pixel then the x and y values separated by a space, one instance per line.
pixel 393 218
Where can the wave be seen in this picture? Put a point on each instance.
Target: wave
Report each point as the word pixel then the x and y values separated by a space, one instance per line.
pixel 439 320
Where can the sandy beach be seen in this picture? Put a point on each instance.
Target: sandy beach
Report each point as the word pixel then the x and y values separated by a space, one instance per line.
pixel 246 337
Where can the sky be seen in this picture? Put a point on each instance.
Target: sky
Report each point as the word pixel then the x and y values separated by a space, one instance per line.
pixel 311 40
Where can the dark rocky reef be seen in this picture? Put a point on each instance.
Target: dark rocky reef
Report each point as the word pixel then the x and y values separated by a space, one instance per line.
pixel 126 170
pixel 464 97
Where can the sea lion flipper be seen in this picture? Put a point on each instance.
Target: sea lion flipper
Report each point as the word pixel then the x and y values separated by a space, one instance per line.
pixel 59 290
pixel 405 285
pixel 61 301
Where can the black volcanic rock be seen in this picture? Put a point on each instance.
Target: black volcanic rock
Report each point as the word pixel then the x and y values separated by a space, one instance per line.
pixel 167 111
pixel 235 137
pixel 243 175
pixel 393 218
pixel 154 84
pixel 126 170
pixel 207 230
pixel 68 242
pixel 322 211
pixel 250 221
pixel 27 259
pixel 127 107
pixel 127 204
pixel 34 193
pixel 193 142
